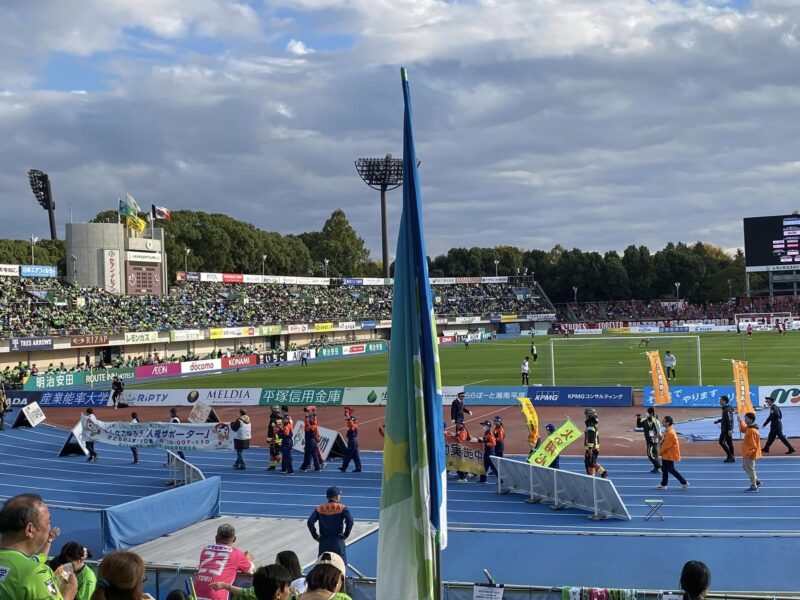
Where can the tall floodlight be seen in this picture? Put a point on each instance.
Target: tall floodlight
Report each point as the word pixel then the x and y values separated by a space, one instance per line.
pixel 382 174
pixel 40 186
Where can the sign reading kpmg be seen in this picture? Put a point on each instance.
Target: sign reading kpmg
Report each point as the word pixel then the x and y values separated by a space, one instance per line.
pixel 581 396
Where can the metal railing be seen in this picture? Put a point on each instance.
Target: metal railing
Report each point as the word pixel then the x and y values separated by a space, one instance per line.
pixel 181 472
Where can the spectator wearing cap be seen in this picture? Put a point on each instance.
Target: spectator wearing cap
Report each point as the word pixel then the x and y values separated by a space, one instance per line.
pixel 326 581
pixel 219 563
pixel 74 554
pixel 457 409
pixel 352 443
pixel 335 524
pixel 499 436
pixel 241 438
pixel 774 420
pixel 489 443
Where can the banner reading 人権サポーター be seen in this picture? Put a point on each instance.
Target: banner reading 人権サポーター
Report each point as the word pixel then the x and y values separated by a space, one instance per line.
pixel 169 436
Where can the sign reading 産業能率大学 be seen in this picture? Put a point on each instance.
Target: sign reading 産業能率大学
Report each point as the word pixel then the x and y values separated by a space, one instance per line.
pixel 168 436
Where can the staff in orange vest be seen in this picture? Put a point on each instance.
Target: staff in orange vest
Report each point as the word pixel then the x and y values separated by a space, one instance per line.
pixel 670 454
pixel 488 442
pixel 751 449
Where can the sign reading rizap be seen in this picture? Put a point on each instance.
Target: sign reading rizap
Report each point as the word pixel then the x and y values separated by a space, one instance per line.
pixel 785 396
pixel 141 337
pixel 301 396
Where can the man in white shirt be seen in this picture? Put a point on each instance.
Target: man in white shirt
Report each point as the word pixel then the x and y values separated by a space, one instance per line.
pixel 525 369
pixel 669 363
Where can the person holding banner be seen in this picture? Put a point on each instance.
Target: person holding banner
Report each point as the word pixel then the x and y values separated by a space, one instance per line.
pixel 489 443
pixel 311 437
pixel 352 443
pixel 725 423
pixel 670 454
pixel 751 449
pixel 460 436
pixel 134 451
pixel 652 431
pixel 775 427
pixel 90 443
pixel 499 436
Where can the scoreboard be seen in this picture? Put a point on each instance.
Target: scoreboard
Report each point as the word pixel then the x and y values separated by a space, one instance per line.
pixel 772 243
pixel 143 279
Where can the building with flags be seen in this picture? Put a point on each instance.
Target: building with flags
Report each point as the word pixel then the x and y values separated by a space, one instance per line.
pixel 126 257
pixel 413 522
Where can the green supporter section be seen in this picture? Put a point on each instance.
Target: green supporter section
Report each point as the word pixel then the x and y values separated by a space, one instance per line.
pixel 53 381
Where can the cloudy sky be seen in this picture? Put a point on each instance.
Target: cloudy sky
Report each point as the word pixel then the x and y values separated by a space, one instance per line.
pixel 589 123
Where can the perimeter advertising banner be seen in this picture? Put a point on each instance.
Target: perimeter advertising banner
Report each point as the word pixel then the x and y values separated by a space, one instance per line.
pixel 301 396
pixel 54 381
pixel 695 395
pixel 167 436
pixel 30 344
pixel 785 396
pixel 212 397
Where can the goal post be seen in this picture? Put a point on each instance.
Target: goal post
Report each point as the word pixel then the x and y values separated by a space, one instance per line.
pixel 622 360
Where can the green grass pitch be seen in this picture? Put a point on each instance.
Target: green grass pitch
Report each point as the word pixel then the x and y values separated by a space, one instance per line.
pixel 579 361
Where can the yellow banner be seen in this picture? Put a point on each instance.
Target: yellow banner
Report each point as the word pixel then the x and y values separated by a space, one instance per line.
pixel 323 326
pixel 555 443
pixel 741 378
pixel 661 393
pixel 509 318
pixel 531 420
pixel 464 456
pixel 215 334
pixel 136 223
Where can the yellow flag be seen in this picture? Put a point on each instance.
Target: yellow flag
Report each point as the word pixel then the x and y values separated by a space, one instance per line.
pixel 741 378
pixel 660 386
pixel 531 419
pixel 136 223
pixel 554 444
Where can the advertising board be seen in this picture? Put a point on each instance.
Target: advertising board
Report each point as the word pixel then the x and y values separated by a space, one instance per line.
pixel 141 337
pixel 785 396
pixel 188 397
pixel 9 270
pixel 30 344
pixel 80 341
pixel 38 271
pixel 581 396
pixel 201 366
pixel 696 395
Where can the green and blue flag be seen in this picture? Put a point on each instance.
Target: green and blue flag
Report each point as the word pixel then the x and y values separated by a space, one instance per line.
pixel 413 518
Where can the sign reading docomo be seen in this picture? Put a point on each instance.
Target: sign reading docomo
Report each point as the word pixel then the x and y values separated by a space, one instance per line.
pixel 141 337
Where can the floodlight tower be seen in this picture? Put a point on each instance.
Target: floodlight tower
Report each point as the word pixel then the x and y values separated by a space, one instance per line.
pixel 382 174
pixel 40 186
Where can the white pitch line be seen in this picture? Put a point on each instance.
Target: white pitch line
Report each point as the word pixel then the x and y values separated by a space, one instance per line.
pixel 308 383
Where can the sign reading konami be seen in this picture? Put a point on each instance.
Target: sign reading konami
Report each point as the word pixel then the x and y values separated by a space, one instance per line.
pixel 239 361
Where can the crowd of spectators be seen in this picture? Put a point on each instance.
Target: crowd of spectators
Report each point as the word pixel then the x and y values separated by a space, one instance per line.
pixel 46 307
pixel 27 537
pixel 670 310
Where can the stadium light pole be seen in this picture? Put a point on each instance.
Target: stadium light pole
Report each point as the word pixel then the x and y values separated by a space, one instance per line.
pixel 263 260
pixel 186 260
pixel 34 239
pixel 326 261
pixel 496 262
pixel 730 288
pixel 677 291
pixel 74 268
pixel 575 294
pixel 40 186
pixel 382 174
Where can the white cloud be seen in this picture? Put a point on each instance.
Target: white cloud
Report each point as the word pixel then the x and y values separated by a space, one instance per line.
pixel 298 47
pixel 593 123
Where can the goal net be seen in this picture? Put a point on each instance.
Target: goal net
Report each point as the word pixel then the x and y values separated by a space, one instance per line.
pixel 604 360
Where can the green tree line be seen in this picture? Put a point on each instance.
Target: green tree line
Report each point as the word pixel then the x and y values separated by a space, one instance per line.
pixel 219 243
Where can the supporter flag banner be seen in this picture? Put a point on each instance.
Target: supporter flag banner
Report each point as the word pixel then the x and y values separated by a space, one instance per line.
pixel 741 378
pixel 660 385
pixel 413 517
pixel 135 223
pixel 464 456
pixel 168 436
pixel 554 444
pixel 127 209
pixel 331 443
pixel 159 212
pixel 531 420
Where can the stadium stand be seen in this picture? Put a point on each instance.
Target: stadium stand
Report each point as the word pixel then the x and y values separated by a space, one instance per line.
pixel 47 307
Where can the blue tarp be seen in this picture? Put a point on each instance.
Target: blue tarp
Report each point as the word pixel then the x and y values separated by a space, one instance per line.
pixel 704 430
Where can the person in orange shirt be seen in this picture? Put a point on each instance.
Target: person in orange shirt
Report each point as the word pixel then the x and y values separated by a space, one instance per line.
pixel 488 442
pixel 670 454
pixel 751 449
pixel 499 436
pixel 461 435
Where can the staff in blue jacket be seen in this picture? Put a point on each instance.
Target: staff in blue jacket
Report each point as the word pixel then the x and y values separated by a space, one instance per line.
pixel 352 442
pixel 335 524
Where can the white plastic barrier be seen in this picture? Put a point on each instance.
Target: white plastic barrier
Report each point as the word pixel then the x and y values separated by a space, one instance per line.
pixel 563 488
